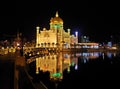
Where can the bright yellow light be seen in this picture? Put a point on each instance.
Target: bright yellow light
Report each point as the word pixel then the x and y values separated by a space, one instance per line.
pixel 114 47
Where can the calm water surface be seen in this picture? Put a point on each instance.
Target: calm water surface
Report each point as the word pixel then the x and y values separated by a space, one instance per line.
pixel 75 71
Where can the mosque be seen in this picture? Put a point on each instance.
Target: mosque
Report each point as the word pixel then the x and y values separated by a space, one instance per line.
pixel 56 36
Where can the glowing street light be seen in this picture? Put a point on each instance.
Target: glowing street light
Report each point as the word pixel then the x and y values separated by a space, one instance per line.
pixel 76 34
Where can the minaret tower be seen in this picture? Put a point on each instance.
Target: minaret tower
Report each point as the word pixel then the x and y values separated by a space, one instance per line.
pixel 37 36
pixel 76 34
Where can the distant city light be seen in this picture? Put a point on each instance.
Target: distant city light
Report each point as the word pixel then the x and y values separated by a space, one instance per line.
pixel 84 36
pixel 72 64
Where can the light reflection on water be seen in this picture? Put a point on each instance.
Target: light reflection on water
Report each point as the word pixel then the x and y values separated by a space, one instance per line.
pixel 57 63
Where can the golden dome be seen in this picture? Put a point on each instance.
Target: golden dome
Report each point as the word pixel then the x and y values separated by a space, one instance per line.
pixel 56 19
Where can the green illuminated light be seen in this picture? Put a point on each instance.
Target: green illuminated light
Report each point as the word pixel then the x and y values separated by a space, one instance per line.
pixel 72 63
pixel 56 74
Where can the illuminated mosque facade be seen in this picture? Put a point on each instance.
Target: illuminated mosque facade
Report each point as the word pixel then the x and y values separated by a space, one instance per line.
pixel 56 36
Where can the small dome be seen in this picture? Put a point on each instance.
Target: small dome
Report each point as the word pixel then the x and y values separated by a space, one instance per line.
pixel 56 19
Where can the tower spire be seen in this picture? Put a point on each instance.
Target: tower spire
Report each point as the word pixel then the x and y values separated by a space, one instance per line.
pixel 56 15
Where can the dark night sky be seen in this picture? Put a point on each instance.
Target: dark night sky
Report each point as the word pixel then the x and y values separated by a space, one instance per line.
pixel 98 19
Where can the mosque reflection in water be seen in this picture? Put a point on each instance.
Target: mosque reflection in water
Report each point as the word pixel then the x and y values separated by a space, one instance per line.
pixel 55 64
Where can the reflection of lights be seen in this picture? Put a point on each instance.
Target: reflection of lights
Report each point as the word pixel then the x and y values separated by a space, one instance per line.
pixel 68 69
pixel 103 55
pixel 37 72
pixel 90 54
pixel 85 54
pixel 56 74
pixel 109 55
pixel 96 54
pixel 76 67
pixel 73 63
pixel 46 64
pixel 114 54
pixel 84 60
